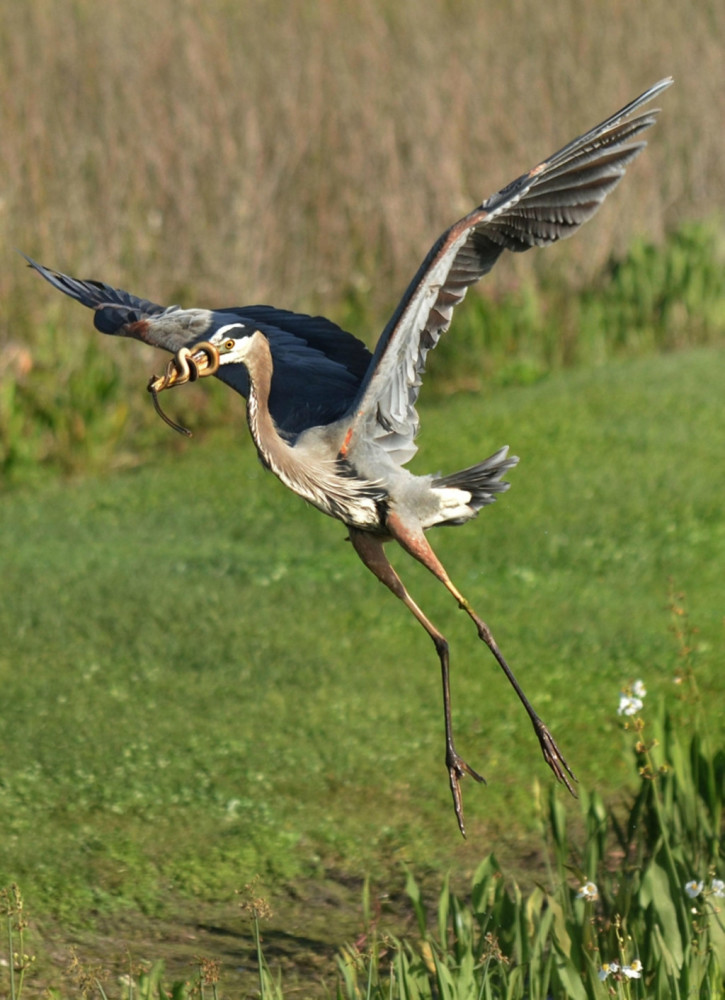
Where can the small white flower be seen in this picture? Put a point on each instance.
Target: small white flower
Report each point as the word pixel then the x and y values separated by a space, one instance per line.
pixel 588 891
pixel 608 969
pixel 718 888
pixel 639 690
pixel 628 705
pixel 633 971
pixel 693 888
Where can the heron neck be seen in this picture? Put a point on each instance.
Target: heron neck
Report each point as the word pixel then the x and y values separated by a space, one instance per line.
pixel 270 446
pixel 312 475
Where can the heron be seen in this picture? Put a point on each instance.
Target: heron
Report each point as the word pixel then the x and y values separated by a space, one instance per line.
pixel 337 424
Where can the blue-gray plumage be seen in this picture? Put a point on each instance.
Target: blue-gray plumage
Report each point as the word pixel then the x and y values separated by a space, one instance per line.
pixel 337 424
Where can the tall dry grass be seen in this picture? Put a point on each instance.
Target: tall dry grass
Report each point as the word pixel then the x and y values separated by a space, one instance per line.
pixel 222 152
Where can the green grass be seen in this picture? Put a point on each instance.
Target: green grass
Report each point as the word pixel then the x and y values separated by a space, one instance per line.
pixel 201 682
pixel 629 904
pixel 629 907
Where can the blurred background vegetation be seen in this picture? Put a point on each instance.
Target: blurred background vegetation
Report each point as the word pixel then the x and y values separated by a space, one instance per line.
pixel 307 155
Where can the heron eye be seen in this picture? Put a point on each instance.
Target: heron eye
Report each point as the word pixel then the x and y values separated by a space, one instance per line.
pixel 229 344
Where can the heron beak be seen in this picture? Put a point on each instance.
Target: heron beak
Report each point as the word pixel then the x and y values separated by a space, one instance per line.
pixel 185 366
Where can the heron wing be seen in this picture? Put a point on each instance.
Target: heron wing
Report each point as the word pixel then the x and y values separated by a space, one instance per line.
pixel 546 204
pixel 318 367
pixel 122 314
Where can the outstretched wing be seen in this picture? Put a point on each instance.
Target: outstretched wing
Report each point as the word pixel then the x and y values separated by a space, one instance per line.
pixel 318 368
pixel 546 204
pixel 115 311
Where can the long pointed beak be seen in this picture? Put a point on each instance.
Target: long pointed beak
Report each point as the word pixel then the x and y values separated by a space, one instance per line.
pixel 185 366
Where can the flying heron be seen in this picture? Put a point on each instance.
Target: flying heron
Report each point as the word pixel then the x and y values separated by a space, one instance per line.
pixel 338 425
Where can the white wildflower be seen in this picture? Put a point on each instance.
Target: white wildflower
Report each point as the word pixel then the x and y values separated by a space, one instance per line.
pixel 717 888
pixel 588 891
pixel 693 888
pixel 639 690
pixel 608 969
pixel 629 705
pixel 633 971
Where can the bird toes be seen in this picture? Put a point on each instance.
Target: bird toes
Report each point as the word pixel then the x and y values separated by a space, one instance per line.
pixel 457 769
pixel 555 758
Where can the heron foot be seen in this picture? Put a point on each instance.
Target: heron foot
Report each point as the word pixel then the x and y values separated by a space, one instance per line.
pixel 457 769
pixel 553 756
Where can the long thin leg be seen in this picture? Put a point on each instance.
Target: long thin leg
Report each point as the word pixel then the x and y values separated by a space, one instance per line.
pixel 416 544
pixel 370 550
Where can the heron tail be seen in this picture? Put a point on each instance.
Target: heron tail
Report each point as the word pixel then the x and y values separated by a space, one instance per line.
pixel 482 481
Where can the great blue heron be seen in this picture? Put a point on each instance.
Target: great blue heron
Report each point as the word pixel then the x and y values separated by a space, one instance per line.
pixel 337 425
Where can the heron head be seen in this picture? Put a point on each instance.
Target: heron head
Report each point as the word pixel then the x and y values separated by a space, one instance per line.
pixel 231 344
pixel 234 342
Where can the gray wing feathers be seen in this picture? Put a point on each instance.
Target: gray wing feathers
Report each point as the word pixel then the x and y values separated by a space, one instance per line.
pixel 122 314
pixel 546 204
pixel 114 309
pixel 398 365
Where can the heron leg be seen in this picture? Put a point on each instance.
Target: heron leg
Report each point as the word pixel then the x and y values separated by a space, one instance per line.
pixel 370 549
pixel 416 544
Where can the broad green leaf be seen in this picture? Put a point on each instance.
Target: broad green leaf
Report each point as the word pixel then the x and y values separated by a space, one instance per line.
pixel 656 892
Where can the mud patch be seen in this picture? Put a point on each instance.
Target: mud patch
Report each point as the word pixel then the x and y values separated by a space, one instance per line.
pixel 310 923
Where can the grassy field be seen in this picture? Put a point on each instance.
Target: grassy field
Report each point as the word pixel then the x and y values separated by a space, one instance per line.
pixel 202 684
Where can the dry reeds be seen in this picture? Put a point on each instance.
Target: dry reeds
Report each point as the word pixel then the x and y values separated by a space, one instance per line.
pixel 294 152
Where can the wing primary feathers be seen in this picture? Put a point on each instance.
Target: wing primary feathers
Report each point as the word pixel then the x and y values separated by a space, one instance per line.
pixel 114 309
pixel 542 206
